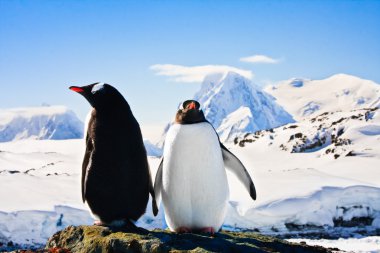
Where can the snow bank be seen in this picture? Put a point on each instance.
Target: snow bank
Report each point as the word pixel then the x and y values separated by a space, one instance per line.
pixel 366 244
pixel 35 227
pixel 331 206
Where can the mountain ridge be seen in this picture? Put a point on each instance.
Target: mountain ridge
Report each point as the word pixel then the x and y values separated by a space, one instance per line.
pixel 42 123
pixel 303 97
pixel 222 97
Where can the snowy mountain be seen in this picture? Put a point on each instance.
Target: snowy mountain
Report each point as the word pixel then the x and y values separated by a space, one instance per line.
pixel 329 162
pixel 330 134
pixel 235 106
pixel 46 122
pixel 235 122
pixel 305 97
pixel 151 149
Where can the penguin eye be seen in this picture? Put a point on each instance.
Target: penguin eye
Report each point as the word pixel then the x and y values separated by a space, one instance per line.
pixel 97 87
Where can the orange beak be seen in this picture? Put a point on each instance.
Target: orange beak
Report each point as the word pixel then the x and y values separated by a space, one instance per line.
pixel 191 106
pixel 76 89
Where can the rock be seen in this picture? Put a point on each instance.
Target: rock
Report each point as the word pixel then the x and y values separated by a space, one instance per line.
pixel 101 239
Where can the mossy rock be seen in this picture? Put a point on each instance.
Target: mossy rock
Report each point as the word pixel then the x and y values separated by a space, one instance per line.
pixel 101 239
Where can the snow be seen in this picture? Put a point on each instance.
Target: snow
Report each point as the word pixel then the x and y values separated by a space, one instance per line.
pixel 367 244
pixel 45 173
pixel 320 208
pixel 151 149
pixel 220 96
pixel 338 92
pixel 370 130
pixel 308 191
pixel 228 98
pixel 239 119
pixel 35 227
pixel 319 175
pixel 46 122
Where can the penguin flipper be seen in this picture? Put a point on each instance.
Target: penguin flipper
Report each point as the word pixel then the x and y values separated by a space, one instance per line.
pixel 151 191
pixel 86 159
pixel 158 183
pixel 236 166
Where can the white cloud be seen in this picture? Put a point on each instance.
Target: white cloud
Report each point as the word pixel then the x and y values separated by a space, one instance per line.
pixel 259 59
pixel 195 73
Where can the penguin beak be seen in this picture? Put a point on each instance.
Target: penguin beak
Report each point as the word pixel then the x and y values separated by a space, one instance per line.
pixel 76 89
pixel 191 106
pixel 85 91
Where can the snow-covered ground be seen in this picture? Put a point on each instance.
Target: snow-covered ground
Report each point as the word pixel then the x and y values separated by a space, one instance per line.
pixel 297 192
pixel 366 244
pixel 317 177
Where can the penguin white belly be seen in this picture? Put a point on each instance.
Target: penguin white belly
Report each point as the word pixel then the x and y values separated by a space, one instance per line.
pixel 195 188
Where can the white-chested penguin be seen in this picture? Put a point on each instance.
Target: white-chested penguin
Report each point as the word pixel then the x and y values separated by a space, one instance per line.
pixel 191 178
pixel 116 180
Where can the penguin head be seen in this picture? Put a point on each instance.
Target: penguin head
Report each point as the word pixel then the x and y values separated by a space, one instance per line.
pixel 190 113
pixel 100 95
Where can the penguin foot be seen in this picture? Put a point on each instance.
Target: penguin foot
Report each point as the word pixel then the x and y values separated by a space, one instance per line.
pixel 120 223
pixel 116 224
pixel 208 230
pixel 182 230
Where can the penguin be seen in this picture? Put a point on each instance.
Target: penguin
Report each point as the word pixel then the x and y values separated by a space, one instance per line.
pixel 191 179
pixel 116 179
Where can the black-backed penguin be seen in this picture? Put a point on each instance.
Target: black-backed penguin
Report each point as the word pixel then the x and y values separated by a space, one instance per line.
pixel 191 178
pixel 116 180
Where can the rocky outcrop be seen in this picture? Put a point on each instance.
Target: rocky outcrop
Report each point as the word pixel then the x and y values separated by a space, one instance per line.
pixel 102 239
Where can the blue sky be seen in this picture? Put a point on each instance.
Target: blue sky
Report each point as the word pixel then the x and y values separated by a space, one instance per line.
pixel 46 46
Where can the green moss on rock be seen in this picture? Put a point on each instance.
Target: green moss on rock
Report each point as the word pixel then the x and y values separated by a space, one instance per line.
pixel 101 239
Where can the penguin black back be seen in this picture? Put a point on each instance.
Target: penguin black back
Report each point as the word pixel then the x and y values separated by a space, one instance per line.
pixel 115 174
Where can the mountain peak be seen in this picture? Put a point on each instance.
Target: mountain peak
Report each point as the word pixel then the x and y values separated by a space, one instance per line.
pixel 302 97
pixel 233 74
pixel 343 76
pixel 44 122
pixel 222 96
